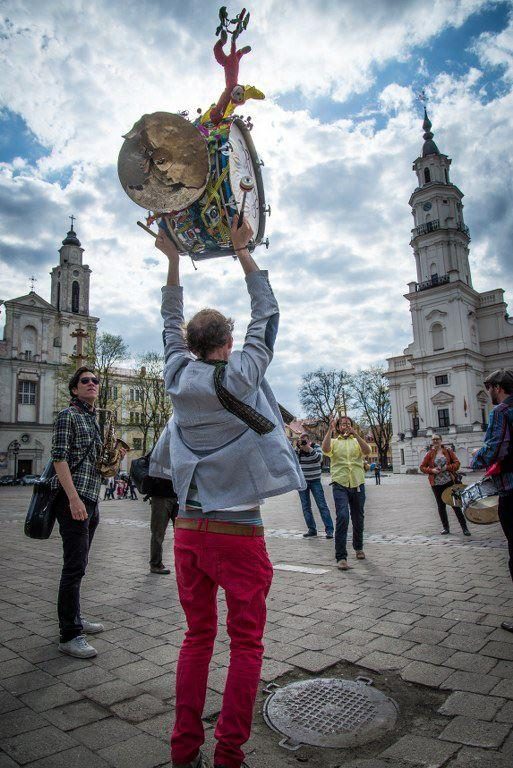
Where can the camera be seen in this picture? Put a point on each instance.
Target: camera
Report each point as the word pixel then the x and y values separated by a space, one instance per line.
pixel 304 442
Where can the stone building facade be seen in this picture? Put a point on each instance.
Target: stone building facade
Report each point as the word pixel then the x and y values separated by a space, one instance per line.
pixel 459 334
pixel 40 341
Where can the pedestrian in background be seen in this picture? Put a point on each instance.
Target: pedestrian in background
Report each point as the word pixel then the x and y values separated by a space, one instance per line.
pixel 439 464
pixel 310 460
pixel 347 451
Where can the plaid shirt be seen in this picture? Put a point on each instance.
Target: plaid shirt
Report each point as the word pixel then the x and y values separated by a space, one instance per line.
pixel 73 430
pixel 496 446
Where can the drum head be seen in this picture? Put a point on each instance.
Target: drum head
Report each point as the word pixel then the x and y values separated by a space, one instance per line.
pixel 244 163
pixel 447 495
pixel 484 511
pixel 163 165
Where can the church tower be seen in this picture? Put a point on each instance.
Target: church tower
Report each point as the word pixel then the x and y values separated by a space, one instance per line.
pixel 70 279
pixel 440 237
pixel 459 334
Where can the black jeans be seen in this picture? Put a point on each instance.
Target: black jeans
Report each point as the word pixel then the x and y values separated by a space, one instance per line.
pixel 348 501
pixel 506 520
pixel 162 511
pixel 77 536
pixel 442 509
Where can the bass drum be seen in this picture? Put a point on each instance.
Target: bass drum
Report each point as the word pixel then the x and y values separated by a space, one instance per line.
pixel 203 229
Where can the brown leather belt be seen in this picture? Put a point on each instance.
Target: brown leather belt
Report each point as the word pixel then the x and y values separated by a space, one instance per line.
pixel 214 526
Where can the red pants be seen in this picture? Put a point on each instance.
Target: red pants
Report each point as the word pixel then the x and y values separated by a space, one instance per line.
pixel 240 565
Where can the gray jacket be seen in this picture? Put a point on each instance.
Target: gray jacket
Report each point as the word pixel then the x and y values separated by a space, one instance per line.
pixel 231 463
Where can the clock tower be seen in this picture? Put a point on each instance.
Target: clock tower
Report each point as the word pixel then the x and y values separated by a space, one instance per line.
pixel 440 237
pixel 459 334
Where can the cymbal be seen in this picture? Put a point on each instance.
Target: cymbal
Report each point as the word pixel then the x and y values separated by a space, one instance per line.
pixel 447 494
pixel 163 164
pixel 484 511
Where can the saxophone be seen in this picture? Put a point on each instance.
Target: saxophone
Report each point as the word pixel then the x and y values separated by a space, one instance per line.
pixel 110 456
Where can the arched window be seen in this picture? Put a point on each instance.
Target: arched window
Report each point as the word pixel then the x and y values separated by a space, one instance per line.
pixel 427 176
pixel 437 335
pixel 59 296
pixel 29 342
pixel 433 270
pixel 75 297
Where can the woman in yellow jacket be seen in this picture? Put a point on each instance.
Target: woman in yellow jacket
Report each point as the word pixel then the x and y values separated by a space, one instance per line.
pixel 346 450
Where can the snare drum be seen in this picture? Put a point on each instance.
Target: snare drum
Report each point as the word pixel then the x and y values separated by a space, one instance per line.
pixel 203 229
pixel 479 502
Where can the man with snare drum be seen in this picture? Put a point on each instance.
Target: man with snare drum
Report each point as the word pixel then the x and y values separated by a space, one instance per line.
pixel 498 447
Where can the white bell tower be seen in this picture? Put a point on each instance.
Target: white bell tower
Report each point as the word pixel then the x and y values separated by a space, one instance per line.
pixel 459 335
pixel 440 237
pixel 70 280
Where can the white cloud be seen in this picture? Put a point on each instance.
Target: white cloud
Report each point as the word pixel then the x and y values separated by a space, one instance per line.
pixel 81 74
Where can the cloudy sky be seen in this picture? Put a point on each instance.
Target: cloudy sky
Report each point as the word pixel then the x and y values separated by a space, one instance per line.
pixel 338 132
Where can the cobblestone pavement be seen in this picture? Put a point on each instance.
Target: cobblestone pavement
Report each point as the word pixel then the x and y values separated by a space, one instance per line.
pixel 422 607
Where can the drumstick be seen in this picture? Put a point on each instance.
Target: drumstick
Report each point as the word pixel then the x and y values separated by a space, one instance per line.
pixel 146 229
pixel 246 184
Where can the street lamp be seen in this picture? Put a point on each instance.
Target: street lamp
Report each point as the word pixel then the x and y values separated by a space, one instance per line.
pixel 15 448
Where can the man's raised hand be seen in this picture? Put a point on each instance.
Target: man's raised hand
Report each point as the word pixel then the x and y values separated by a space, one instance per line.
pixel 242 236
pixel 166 245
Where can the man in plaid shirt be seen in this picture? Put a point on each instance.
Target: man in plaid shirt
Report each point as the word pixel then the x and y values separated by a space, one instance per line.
pixel 76 446
pixel 498 448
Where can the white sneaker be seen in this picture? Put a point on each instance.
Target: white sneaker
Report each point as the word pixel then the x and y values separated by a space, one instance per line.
pixel 78 647
pixel 91 627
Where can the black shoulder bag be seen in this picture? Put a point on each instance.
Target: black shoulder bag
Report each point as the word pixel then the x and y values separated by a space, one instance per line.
pixel 145 483
pixel 41 512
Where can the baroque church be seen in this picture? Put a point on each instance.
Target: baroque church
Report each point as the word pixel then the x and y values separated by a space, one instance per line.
pixel 40 338
pixel 459 334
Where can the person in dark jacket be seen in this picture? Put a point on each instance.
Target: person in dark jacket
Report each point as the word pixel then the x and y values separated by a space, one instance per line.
pixel 497 447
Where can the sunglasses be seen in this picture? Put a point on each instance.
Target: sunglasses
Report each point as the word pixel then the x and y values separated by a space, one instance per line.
pixel 87 379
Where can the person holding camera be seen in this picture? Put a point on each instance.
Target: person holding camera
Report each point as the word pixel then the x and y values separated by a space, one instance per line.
pixel 310 460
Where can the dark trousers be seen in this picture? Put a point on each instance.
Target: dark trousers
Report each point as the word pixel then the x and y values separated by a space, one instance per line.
pixel 506 520
pixel 442 509
pixel 162 511
pixel 348 501
pixel 377 475
pixel 77 536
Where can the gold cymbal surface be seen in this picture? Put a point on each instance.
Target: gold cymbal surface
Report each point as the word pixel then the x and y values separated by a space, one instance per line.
pixel 163 164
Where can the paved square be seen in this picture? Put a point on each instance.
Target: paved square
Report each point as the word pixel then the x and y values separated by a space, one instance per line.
pixel 425 607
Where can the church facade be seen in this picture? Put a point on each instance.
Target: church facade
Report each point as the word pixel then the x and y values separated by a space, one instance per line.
pixel 459 334
pixel 41 340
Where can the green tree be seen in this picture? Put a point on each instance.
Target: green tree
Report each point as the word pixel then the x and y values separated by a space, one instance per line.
pixel 371 397
pixel 323 393
pixel 154 403
pixel 103 352
pixel 108 351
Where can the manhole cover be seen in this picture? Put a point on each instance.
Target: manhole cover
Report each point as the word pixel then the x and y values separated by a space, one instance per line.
pixel 329 712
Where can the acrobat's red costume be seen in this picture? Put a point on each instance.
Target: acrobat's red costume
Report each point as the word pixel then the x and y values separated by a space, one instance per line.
pixel 230 64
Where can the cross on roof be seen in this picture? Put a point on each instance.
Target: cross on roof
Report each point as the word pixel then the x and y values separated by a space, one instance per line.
pixel 32 281
pixel 422 96
pixel 72 220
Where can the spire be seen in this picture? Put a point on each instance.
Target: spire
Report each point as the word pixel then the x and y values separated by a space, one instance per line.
pixel 429 147
pixel 71 238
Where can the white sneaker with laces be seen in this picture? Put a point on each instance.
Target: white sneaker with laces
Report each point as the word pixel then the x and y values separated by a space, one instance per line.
pixel 91 627
pixel 78 647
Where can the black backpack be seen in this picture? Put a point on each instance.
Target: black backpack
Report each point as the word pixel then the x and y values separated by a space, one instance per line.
pixel 148 485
